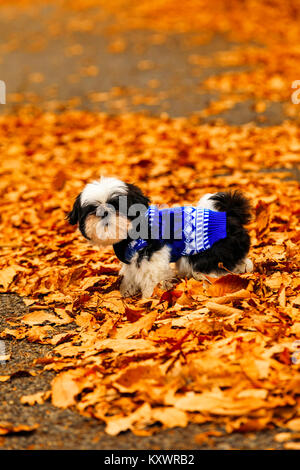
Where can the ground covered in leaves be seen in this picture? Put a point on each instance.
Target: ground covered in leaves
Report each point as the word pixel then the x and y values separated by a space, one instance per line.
pixel 220 357
pixel 224 351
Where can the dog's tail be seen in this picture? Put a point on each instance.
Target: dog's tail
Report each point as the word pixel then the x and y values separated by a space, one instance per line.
pixel 235 204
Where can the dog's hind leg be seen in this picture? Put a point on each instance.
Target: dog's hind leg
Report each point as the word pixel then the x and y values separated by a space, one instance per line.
pixel 244 266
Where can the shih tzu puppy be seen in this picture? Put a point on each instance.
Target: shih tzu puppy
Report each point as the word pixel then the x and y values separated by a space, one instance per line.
pixel 201 240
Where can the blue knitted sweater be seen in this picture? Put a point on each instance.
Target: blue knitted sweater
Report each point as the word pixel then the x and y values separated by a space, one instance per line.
pixel 186 230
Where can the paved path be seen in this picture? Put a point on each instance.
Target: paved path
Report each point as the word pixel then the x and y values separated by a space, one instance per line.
pixel 55 59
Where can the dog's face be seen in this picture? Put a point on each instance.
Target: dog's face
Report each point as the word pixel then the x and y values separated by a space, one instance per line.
pixel 103 210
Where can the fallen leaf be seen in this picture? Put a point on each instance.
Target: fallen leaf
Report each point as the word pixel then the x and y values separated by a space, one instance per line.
pixel 39 398
pixel 9 428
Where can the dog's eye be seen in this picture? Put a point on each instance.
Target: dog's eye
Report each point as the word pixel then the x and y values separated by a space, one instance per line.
pixel 101 212
pixel 114 202
pixel 87 210
pixel 105 214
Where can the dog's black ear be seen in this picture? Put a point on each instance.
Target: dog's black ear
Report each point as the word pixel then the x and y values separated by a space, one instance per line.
pixel 73 216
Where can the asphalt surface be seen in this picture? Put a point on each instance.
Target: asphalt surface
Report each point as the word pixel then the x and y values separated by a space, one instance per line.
pixel 47 63
pixel 50 61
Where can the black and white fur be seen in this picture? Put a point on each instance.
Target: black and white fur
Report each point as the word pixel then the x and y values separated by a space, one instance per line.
pixel 151 265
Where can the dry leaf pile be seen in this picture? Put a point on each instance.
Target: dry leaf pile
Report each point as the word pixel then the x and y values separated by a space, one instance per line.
pixel 222 351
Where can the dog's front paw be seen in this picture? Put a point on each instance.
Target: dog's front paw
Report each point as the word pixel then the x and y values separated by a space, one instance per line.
pixel 167 284
pixel 147 292
pixel 128 289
